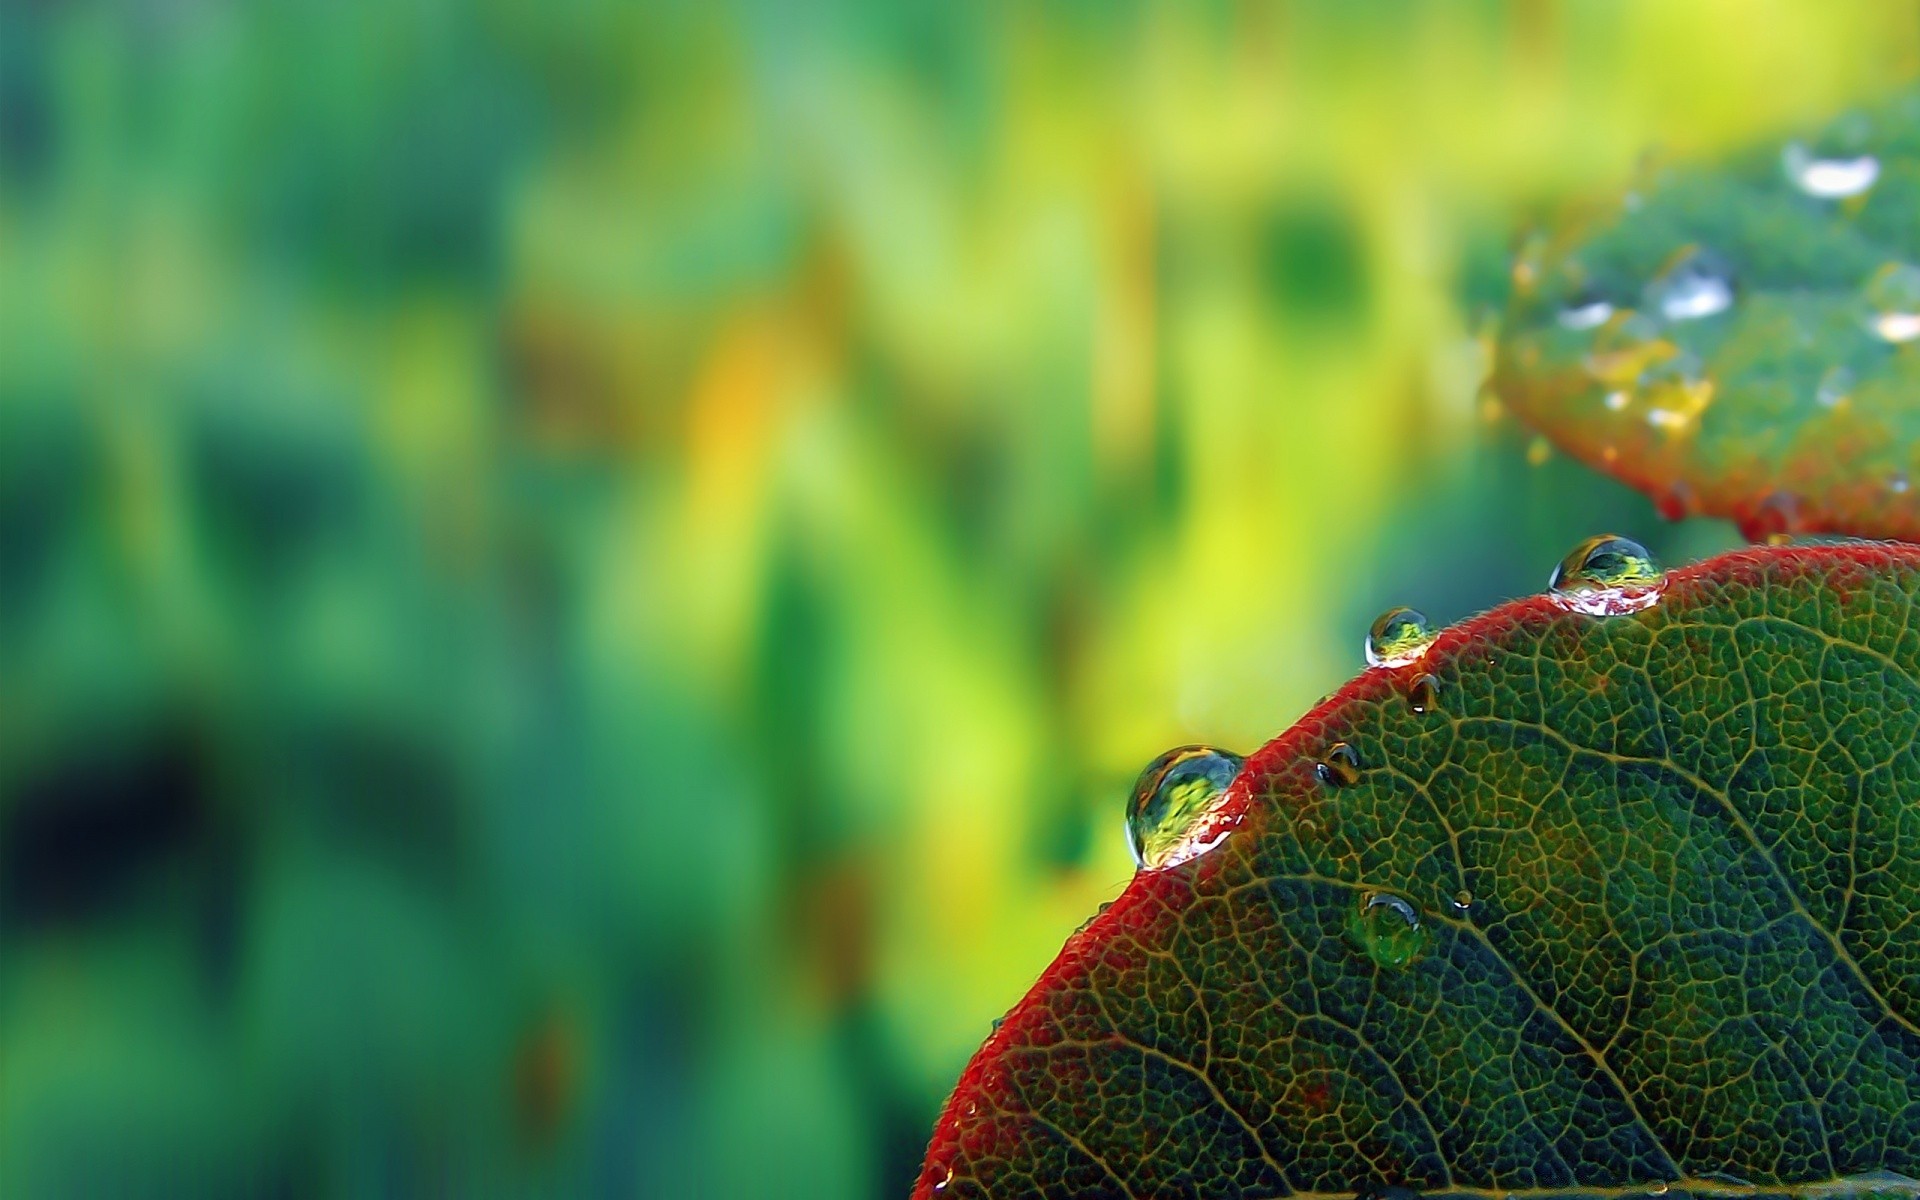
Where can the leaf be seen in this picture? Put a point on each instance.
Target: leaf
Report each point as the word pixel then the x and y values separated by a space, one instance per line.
pixel 1788 400
pixel 1690 952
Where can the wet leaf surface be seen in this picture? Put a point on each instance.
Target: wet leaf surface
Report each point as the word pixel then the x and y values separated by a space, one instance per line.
pixel 1627 909
pixel 1741 338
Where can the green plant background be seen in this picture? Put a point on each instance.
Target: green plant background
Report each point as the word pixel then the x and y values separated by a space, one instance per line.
pixel 581 584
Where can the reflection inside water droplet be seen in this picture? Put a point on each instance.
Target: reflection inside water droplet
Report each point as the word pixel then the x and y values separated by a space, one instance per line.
pixel 1172 812
pixel 1828 178
pixel 1398 636
pixel 1605 576
pixel 1341 767
pixel 1694 286
pixel 1387 927
pixel 1423 694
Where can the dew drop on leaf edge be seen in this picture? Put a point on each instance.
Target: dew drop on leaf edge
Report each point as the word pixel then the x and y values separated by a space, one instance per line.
pixel 1170 811
pixel 1828 178
pixel 1397 637
pixel 1341 766
pixel 1387 928
pixel 1605 576
pixel 1693 286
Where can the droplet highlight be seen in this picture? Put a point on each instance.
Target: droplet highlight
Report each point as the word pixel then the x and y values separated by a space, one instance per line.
pixel 1589 314
pixel 1172 814
pixel 1606 576
pixel 1387 929
pixel 1341 766
pixel 1423 695
pixel 1398 637
pixel 1893 296
pixel 1694 285
pixel 1828 178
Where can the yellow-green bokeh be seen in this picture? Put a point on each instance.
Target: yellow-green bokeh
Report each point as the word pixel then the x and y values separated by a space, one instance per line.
pixel 769 479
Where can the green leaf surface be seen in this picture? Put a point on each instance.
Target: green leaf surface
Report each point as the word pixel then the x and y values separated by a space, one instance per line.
pixel 1663 866
pixel 1790 402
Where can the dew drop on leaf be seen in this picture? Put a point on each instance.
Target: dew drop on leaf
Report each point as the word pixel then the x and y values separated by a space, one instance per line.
pixel 1605 576
pixel 1170 813
pixel 1828 178
pixel 1398 636
pixel 1893 295
pixel 1341 766
pixel 1387 927
pixel 1463 899
pixel 1694 285
pixel 1423 694
pixel 1658 1187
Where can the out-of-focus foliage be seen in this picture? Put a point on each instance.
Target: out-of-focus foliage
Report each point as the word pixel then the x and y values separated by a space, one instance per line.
pixel 1731 336
pixel 581 584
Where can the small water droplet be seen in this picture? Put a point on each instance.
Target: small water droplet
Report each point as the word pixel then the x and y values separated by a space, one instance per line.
pixel 1835 387
pixel 1893 294
pixel 1171 812
pixel 1398 636
pixel 1423 695
pixel 1341 766
pixel 1676 502
pixel 1588 314
pixel 1778 517
pixel 1539 450
pixel 1387 927
pixel 1695 284
pixel 1606 576
pixel 946 1177
pixel 1658 1187
pixel 995 1024
pixel 1828 178
pixel 1617 400
pixel 1898 484
pixel 1463 899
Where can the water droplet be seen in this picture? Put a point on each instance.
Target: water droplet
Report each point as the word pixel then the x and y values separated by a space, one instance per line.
pixel 1463 899
pixel 1774 522
pixel 1423 695
pixel 1695 284
pixel 946 1177
pixel 1676 502
pixel 1398 636
pixel 1387 927
pixel 1171 815
pixel 995 1024
pixel 1539 450
pixel 1617 400
pixel 1341 766
pixel 1898 483
pixel 1828 178
pixel 1589 314
pixel 1835 387
pixel 1894 296
pixel 1606 576
pixel 1658 1187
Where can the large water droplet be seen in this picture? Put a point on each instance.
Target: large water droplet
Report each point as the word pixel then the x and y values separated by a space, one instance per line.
pixel 1606 576
pixel 1398 636
pixel 1171 816
pixel 1387 927
pixel 1828 178
pixel 1341 766
pixel 1423 695
pixel 1695 285
pixel 1463 899
pixel 1893 295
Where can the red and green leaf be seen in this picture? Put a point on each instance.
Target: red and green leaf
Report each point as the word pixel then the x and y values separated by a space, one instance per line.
pixel 1664 867
pixel 1794 406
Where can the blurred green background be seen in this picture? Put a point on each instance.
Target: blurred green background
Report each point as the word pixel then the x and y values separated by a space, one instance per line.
pixel 581 583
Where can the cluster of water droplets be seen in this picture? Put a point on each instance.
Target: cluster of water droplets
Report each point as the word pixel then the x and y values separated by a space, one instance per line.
pixel 1606 576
